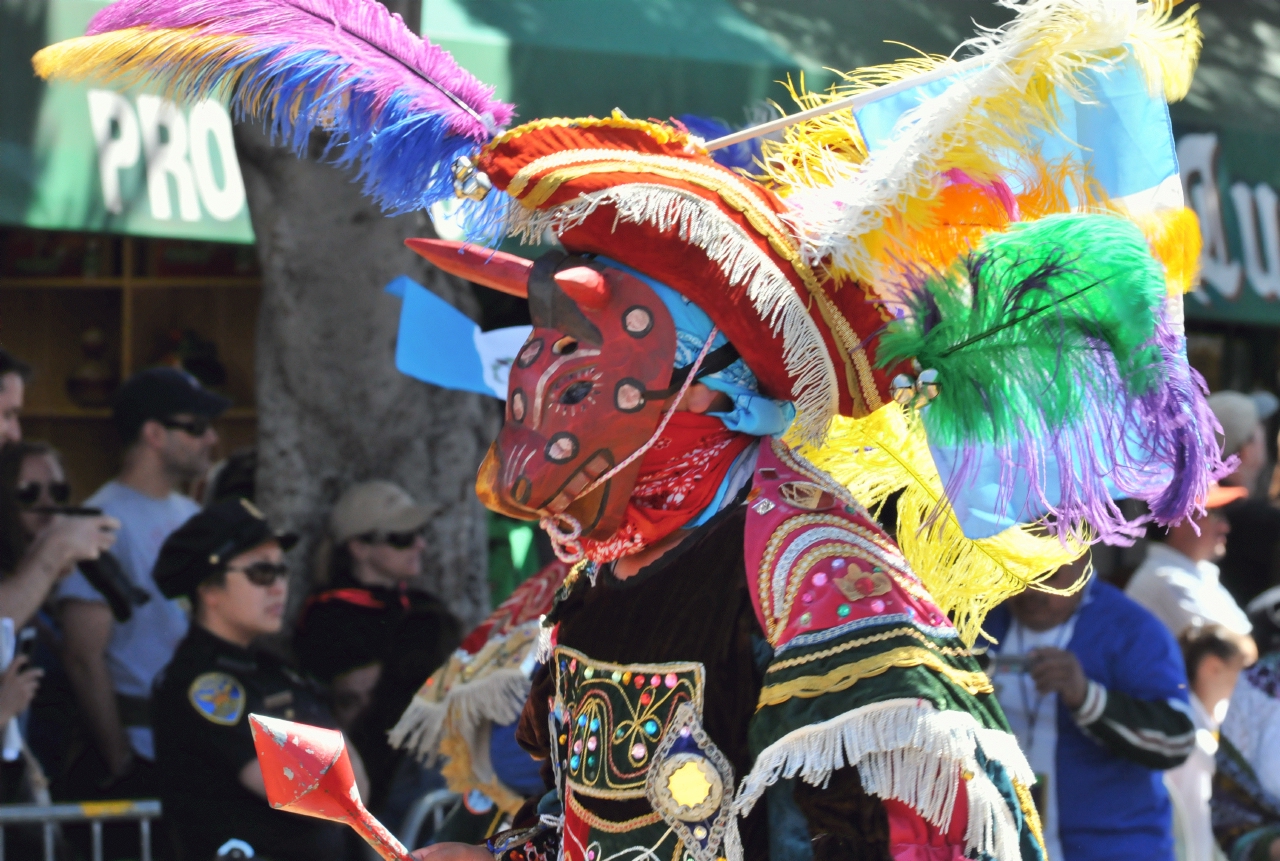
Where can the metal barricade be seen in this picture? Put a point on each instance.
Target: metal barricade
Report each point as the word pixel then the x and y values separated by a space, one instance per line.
pixel 93 812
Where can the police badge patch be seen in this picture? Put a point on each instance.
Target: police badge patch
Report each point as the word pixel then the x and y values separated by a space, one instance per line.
pixel 218 697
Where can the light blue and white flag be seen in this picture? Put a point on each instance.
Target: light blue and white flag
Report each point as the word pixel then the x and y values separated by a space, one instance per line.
pixel 1123 133
pixel 438 344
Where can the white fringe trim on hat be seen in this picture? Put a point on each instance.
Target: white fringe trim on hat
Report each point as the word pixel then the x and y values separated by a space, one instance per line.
pixel 698 221
pixel 907 750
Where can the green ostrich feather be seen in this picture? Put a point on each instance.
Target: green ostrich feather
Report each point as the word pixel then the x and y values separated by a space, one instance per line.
pixel 1034 318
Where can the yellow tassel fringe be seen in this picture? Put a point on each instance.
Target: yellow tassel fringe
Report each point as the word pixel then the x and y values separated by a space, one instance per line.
pixel 887 452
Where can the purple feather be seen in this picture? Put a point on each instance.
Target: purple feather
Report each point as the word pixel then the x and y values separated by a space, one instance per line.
pixel 385 56
pixel 396 107
pixel 1158 447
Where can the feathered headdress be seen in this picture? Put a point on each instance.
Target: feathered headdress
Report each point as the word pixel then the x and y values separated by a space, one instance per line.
pixel 970 240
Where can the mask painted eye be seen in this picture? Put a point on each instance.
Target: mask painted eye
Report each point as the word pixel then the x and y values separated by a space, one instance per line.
pixel 565 346
pixel 576 393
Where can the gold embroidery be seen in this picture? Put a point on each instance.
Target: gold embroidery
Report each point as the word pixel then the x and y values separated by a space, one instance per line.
pixel 949 651
pixel 843 678
pixel 848 584
pixel 605 825
pixel 1028 805
pixel 660 133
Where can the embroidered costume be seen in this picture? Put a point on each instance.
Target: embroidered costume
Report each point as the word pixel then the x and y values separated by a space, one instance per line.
pixel 957 291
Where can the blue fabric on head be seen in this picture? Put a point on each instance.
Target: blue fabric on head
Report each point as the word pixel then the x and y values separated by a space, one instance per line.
pixel 752 412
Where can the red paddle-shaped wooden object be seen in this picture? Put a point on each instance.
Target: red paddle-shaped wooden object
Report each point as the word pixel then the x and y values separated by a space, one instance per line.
pixel 307 770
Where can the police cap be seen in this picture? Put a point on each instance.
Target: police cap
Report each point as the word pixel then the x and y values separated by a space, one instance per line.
pixel 203 546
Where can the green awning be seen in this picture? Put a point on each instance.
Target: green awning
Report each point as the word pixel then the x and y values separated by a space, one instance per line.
pixel 650 58
pixel 92 158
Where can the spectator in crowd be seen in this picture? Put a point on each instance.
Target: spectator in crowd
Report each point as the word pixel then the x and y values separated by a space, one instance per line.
pixel 15 374
pixel 1214 658
pixel 1248 567
pixel 1095 690
pixel 163 416
pixel 1178 581
pixel 1246 783
pixel 368 636
pixel 38 548
pixel 229 563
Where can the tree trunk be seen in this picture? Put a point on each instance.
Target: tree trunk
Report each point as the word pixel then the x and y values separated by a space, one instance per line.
pixel 332 408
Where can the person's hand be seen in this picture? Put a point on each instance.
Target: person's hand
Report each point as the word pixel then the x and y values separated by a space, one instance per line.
pixel 452 852
pixel 18 688
pixel 1056 671
pixel 76 539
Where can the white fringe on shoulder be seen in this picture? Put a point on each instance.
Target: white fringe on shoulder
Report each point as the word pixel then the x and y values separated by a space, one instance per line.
pixel 497 698
pixel 699 222
pixel 907 750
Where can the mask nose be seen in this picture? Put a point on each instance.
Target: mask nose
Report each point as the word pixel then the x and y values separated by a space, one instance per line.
pixel 497 497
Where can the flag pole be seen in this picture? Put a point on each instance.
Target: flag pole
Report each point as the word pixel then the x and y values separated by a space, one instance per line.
pixel 851 102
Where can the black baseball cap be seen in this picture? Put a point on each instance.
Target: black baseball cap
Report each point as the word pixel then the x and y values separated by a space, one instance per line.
pixel 161 393
pixel 202 547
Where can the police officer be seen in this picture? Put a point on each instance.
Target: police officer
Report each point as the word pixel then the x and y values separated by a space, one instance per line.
pixel 229 563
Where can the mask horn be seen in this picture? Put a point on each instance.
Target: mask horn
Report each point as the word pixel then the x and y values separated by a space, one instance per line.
pixel 496 270
pixel 585 286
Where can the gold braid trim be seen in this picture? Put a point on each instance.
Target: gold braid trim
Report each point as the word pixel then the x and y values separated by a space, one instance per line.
pixel 611 827
pixel 948 651
pixel 660 133
pixel 1028 805
pixel 843 678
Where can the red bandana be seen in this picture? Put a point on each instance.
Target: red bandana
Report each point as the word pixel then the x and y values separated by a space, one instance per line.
pixel 679 477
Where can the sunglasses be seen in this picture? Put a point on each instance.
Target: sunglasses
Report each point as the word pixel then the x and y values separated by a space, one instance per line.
pixel 198 426
pixel 29 493
pixel 263 573
pixel 398 540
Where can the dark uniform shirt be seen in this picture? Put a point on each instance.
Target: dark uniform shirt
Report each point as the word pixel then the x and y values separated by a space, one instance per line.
pixel 409 632
pixel 201 717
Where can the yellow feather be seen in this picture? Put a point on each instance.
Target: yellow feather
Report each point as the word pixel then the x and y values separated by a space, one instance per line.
pixel 887 453
pixel 1175 241
pixel 1168 48
pixel 175 57
pixel 1055 43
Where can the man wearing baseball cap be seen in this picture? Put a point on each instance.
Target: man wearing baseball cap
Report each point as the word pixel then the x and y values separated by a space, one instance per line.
pixel 368 635
pixel 1249 566
pixel 228 562
pixel 1178 580
pixel 164 418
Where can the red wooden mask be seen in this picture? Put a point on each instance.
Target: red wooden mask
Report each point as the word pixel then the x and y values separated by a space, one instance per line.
pixel 586 390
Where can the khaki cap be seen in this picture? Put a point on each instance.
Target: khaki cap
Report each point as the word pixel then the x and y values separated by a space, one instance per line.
pixel 376 506
pixel 1238 415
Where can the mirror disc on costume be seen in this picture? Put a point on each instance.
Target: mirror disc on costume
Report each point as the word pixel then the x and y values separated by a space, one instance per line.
pixel 629 395
pixel 637 321
pixel 562 448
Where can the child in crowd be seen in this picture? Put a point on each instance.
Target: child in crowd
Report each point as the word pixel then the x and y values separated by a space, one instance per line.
pixel 1214 656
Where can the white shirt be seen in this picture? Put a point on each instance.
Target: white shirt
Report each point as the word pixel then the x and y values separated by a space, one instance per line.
pixel 1033 718
pixel 1183 593
pixel 1191 786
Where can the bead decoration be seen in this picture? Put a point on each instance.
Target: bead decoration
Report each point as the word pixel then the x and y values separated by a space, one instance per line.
pixel 843 610
pixel 820 579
